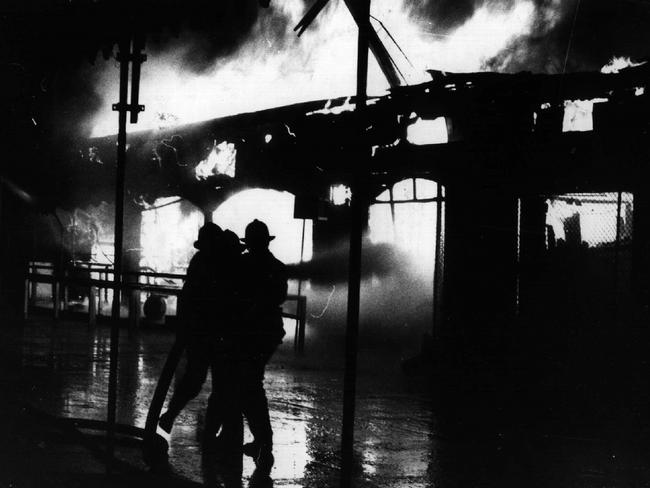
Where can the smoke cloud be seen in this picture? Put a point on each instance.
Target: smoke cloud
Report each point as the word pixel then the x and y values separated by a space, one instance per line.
pixel 446 16
pixel 209 36
pixel 197 36
pixel 574 35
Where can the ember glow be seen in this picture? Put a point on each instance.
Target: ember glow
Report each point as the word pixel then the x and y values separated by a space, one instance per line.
pixel 271 70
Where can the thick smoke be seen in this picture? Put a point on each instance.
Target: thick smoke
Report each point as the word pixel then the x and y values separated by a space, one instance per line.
pixel 574 35
pixel 209 36
pixel 446 16
pixel 396 299
pixel 210 32
pixel 584 34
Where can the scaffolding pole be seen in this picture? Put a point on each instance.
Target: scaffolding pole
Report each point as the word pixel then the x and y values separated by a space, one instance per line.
pixel 437 271
pixel 357 203
pixel 125 49
pixel 123 107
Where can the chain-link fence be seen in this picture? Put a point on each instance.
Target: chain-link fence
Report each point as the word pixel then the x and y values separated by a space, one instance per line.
pixel 588 258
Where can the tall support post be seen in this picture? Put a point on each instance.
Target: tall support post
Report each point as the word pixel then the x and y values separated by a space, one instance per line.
pixel 299 326
pixel 357 210
pixel 437 268
pixel 124 55
pixel 1 242
pixel 617 252
pixel 518 270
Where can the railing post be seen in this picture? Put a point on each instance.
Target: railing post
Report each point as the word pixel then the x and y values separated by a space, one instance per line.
pixel 302 308
pixel 33 289
pixel 66 291
pixel 134 309
pixel 26 299
pixel 57 298
pixel 106 288
pixel 92 307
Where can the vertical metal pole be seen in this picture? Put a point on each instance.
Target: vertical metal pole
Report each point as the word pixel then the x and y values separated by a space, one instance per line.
pixel 33 288
pixel 56 292
pixel 357 204
pixel 518 270
pixel 302 301
pixel 73 244
pixel 125 48
pixel 66 291
pixel 296 337
pixel 92 306
pixel 392 210
pixel 26 300
pixel 302 252
pixel 435 332
pixel 617 250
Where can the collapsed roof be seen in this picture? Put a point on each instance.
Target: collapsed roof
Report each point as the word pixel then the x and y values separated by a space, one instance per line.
pixel 503 131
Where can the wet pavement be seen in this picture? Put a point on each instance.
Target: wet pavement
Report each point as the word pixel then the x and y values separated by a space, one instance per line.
pixel 405 436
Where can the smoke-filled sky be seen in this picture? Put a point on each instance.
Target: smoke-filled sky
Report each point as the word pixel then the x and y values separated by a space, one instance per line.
pixel 250 59
pixel 231 56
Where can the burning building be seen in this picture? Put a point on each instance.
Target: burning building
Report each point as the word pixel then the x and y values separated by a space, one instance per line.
pixel 502 215
pixel 497 153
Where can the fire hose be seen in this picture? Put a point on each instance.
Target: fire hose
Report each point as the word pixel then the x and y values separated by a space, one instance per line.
pixel 154 447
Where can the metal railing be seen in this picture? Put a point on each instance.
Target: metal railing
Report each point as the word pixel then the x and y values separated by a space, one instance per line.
pixel 45 273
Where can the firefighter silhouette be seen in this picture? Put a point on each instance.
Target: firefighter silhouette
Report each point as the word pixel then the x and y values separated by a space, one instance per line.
pixel 196 311
pixel 263 290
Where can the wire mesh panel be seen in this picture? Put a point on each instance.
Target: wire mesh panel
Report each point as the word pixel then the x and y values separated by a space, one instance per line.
pixel 588 259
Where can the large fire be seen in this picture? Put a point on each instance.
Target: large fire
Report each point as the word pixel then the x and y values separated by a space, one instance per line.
pixel 267 71
pixel 617 64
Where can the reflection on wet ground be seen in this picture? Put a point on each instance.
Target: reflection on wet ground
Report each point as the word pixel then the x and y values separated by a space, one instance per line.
pixel 62 369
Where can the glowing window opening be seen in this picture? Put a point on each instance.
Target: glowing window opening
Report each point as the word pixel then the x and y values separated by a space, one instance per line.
pixel 579 115
pixel 221 160
pixel 340 194
pixel 275 209
pixel 405 215
pixel 591 219
pixel 423 132
pixel 411 190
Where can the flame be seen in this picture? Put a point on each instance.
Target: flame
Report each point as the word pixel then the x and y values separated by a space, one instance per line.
pixel 579 115
pixel 221 160
pixel 267 72
pixel 423 131
pixel 617 64
pixel 167 234
pixel 340 194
